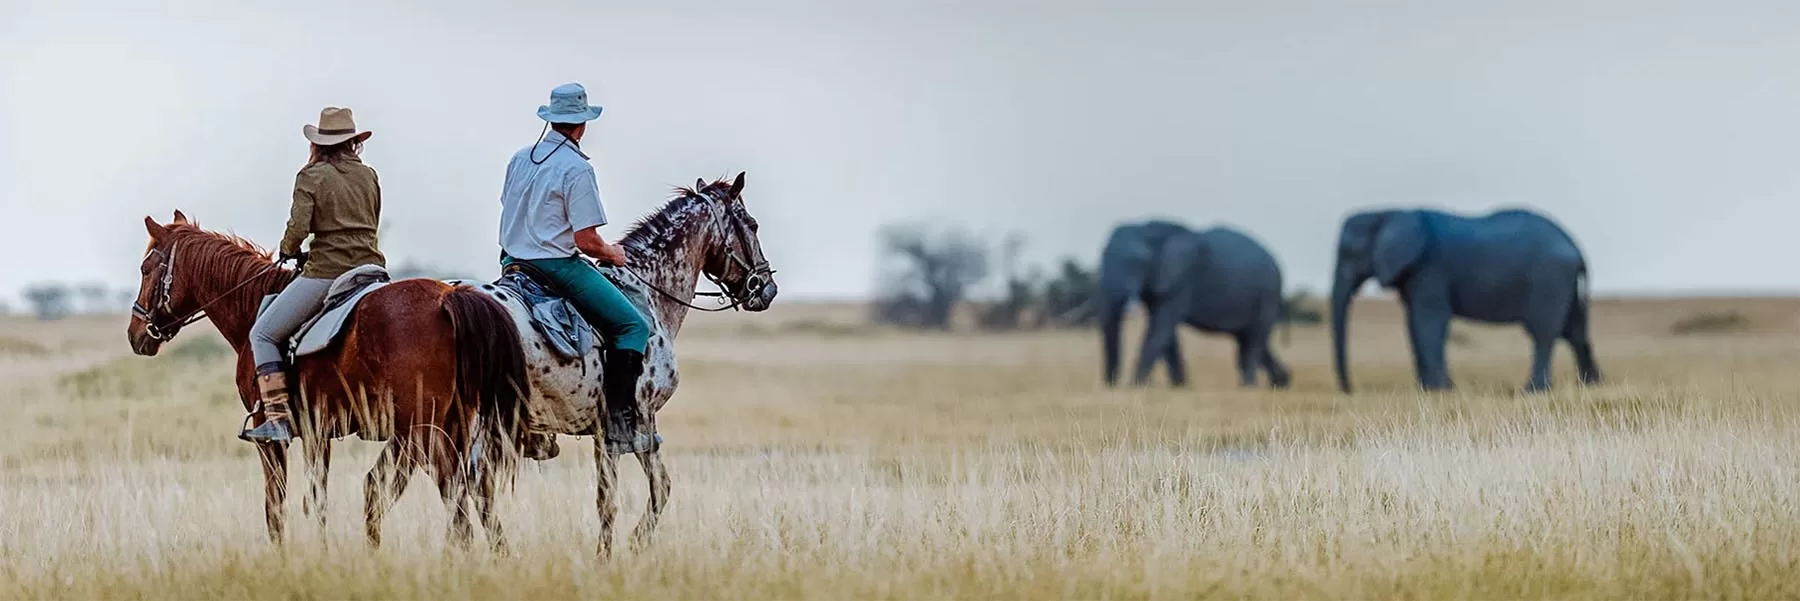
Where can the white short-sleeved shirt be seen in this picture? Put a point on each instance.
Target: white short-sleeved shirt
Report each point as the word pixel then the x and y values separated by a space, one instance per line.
pixel 543 205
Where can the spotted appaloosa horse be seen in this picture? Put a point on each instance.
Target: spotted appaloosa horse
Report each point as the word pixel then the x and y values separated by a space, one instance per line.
pixel 702 230
pixel 424 365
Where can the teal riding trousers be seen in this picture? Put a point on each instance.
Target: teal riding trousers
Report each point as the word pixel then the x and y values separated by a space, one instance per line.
pixel 598 301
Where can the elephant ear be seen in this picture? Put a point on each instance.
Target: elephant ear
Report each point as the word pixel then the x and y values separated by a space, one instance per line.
pixel 1174 263
pixel 1399 244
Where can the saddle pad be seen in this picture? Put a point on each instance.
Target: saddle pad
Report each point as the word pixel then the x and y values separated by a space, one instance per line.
pixel 554 317
pixel 340 300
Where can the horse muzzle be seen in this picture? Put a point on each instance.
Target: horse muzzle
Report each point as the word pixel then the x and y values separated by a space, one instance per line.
pixel 762 299
pixel 142 343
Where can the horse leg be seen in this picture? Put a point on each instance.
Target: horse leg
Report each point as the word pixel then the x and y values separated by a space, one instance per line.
pixel 318 471
pixel 658 475
pixel 386 482
pixel 485 484
pixel 607 465
pixel 447 466
pixel 274 464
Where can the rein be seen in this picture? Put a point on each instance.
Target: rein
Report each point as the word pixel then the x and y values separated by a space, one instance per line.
pixel 759 277
pixel 165 295
pixel 758 274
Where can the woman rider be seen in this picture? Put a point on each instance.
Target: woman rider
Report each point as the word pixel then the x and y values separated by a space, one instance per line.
pixel 337 200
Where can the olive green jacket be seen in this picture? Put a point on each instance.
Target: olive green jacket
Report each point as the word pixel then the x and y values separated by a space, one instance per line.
pixel 339 204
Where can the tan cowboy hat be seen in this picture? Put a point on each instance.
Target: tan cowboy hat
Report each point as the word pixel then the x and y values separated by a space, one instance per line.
pixel 335 126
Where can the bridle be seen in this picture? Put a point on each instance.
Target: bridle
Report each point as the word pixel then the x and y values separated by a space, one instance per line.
pixel 163 295
pixel 758 279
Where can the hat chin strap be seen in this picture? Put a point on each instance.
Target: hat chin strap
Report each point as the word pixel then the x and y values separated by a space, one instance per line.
pixel 533 154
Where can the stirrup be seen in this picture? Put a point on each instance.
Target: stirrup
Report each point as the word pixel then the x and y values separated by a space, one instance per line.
pixel 266 438
pixel 244 428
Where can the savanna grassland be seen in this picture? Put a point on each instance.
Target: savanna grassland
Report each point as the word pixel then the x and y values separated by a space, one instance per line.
pixel 814 457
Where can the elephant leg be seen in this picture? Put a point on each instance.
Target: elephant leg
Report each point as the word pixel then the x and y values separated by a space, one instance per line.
pixel 1546 315
pixel 1278 373
pixel 1542 347
pixel 1249 354
pixel 1176 365
pixel 1158 335
pixel 1575 330
pixel 1428 325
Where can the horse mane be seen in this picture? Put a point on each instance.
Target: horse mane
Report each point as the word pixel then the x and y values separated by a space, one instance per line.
pixel 219 253
pixel 663 226
pixel 211 238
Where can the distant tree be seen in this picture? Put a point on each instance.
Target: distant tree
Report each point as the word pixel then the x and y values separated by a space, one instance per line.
pixel 1070 297
pixel 1302 308
pixel 928 273
pixel 93 297
pixel 49 301
pixel 1018 297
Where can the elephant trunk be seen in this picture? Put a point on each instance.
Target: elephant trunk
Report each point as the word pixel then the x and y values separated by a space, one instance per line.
pixel 1341 291
pixel 1112 312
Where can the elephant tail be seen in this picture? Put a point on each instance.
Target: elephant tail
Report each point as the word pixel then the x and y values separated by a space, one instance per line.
pixel 1287 323
pixel 1582 295
pixel 1578 310
pixel 1284 318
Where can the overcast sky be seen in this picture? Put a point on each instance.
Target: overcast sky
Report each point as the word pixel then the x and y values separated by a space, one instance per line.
pixel 1664 135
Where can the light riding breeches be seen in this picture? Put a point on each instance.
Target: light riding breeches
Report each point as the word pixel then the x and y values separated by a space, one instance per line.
pixel 299 302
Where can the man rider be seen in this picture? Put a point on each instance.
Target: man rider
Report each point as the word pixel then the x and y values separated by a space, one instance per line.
pixel 550 213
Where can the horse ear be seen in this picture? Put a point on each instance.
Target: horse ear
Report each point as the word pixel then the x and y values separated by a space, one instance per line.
pixel 156 229
pixel 737 186
pixel 699 184
pixel 179 217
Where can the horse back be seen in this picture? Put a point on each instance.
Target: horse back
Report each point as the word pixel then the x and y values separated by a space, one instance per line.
pixel 391 369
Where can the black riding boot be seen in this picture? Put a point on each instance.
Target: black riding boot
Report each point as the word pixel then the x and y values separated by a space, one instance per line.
pixel 624 421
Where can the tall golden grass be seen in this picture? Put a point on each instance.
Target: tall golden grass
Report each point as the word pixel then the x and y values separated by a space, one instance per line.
pixel 817 458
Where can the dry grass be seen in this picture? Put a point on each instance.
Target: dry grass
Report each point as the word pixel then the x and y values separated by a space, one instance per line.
pixel 816 459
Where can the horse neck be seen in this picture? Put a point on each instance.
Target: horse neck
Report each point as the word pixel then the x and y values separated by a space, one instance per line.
pixel 673 265
pixel 217 273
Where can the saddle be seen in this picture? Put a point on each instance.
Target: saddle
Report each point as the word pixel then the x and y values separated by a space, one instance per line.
pixel 554 316
pixel 340 301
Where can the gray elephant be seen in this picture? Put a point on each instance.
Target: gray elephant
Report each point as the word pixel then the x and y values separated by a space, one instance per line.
pixel 1511 266
pixel 1217 280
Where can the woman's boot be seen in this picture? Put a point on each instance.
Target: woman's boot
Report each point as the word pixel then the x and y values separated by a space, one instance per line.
pixel 276 426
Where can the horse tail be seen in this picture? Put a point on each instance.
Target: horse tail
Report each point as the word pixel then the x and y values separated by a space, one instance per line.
pixel 490 371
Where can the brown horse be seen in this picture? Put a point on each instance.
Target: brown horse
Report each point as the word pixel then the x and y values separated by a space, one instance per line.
pixel 428 367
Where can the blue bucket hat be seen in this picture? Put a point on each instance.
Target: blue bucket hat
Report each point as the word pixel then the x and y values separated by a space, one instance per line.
pixel 569 104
